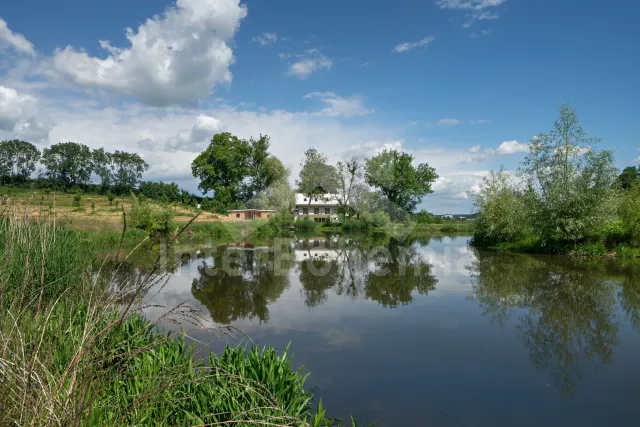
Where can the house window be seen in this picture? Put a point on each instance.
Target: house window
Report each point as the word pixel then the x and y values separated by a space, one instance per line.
pixel 237 215
pixel 327 211
pixel 305 199
pixel 305 211
pixel 316 211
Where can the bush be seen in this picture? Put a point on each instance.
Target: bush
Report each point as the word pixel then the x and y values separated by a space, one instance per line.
pixel 503 213
pixel 356 225
pixel 153 219
pixel 77 198
pixel 110 197
pixel 629 211
pixel 305 225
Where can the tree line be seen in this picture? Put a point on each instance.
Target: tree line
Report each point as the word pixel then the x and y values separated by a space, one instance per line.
pixel 242 173
pixel 567 194
pixel 237 173
pixel 69 165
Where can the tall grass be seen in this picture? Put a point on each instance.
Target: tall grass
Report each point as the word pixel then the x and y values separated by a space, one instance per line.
pixel 76 350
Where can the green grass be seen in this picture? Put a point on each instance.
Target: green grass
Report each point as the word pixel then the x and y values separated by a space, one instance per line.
pixel 74 349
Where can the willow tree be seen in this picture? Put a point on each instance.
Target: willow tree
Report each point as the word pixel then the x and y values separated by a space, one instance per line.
pixel 571 182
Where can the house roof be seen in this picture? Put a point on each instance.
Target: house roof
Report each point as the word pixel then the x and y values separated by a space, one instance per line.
pixel 250 210
pixel 320 200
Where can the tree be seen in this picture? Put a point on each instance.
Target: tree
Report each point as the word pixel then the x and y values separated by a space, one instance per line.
pixel 277 196
pixel 502 210
pixel 401 184
pixel 349 175
pixel 68 162
pixel 236 170
pixel 571 183
pixel 363 199
pixel 126 170
pixel 629 176
pixel 18 159
pixel 316 176
pixel 102 166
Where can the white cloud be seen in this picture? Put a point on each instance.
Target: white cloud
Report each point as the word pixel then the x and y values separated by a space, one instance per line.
pixel 475 149
pixel 173 58
pixel 478 10
pixel 340 106
pixel 512 147
pixel 407 46
pixel 15 41
pixel 469 4
pixel 265 38
pixel 448 122
pixel 19 116
pixel 479 122
pixel 303 68
pixel 478 34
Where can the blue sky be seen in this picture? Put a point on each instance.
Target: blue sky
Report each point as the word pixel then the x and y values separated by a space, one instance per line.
pixel 461 84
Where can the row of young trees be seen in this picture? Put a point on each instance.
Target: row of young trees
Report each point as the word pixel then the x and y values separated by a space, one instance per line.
pixel 566 192
pixel 70 164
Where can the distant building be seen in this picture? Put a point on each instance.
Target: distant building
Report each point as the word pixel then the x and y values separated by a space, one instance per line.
pixel 249 214
pixel 321 208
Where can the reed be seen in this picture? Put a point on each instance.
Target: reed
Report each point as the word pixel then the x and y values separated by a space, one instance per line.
pixel 75 348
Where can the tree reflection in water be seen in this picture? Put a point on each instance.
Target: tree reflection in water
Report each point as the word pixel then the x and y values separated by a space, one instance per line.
pixel 569 322
pixel 387 274
pixel 240 283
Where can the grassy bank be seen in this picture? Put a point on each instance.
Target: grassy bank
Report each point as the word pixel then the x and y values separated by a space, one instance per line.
pixel 75 349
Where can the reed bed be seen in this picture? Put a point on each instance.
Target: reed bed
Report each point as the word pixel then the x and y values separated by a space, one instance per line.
pixel 76 350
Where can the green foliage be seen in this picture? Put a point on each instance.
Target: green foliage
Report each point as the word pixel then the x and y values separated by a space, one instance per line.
pixel 424 217
pixel 102 166
pixel 502 211
pixel 316 177
pixel 629 177
pixel 236 170
pixel 401 184
pixel 305 225
pixel 77 198
pixel 17 159
pixel 40 260
pixel 151 218
pixel 127 170
pixel 629 211
pixel 278 196
pixel 573 182
pixel 354 225
pixel 110 197
pixel 68 163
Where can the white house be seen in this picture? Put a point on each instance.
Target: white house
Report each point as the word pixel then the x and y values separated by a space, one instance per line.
pixel 320 208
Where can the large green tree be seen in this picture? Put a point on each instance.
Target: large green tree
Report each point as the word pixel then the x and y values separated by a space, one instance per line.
pixel 235 169
pixel 127 169
pixel 571 182
pixel 401 184
pixel 629 176
pixel 316 177
pixel 102 166
pixel 68 162
pixel 17 159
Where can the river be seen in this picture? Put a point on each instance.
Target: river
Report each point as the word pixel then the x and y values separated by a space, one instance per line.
pixel 428 332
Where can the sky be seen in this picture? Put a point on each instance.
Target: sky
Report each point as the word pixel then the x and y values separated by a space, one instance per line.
pixel 462 85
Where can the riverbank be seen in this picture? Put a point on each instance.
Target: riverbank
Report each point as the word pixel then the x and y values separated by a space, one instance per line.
pixel 75 349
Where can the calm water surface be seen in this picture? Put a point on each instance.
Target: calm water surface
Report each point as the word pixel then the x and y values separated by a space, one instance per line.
pixel 431 332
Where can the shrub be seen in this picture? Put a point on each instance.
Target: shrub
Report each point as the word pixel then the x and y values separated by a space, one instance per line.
pixel 629 211
pixel 305 225
pixel 380 219
pixel 153 219
pixel 110 197
pixel 77 198
pixel 503 213
pixel 356 225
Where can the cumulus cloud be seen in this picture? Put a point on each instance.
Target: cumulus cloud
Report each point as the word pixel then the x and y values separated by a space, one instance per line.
pixel 265 38
pixel 512 147
pixel 173 58
pixel 19 116
pixel 340 106
pixel 407 46
pixel 475 149
pixel 307 63
pixel 15 41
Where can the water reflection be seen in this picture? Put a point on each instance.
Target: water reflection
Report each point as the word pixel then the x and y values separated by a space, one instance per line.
pixel 568 322
pixel 239 283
